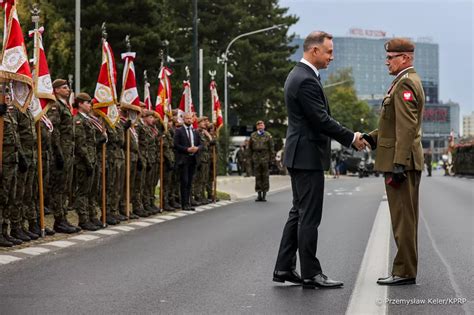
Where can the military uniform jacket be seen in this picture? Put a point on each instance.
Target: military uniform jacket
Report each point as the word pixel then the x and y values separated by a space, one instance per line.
pixel 11 140
pixel 27 134
pixel 85 141
pixel 168 148
pixel 261 146
pixel 398 137
pixel 204 155
pixel 62 119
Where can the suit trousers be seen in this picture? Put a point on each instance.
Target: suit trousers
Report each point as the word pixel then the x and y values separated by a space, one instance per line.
pixel 186 179
pixel 403 204
pixel 301 230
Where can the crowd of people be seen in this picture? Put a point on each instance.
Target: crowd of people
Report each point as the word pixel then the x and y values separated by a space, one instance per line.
pixel 74 139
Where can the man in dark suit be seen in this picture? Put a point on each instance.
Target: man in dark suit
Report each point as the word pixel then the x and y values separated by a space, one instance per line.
pixel 307 156
pixel 187 144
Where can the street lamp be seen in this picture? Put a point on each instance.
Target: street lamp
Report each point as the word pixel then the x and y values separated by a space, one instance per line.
pixel 225 59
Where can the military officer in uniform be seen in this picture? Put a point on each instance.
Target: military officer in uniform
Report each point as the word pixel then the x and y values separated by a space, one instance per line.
pixel 60 114
pixel 8 176
pixel 204 162
pixel 400 156
pixel 262 152
pixel 85 163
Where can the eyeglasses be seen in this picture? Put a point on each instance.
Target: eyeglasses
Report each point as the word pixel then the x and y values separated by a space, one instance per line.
pixel 393 56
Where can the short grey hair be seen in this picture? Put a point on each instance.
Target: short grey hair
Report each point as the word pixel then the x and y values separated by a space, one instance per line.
pixel 315 38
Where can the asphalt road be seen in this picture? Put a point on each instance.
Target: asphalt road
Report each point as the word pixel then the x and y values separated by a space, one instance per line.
pixel 221 261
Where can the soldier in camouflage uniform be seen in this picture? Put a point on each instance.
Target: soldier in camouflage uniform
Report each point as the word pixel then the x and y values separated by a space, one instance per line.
pixel 85 163
pixel 248 159
pixel 10 151
pixel 204 162
pixel 262 152
pixel 129 127
pixel 23 207
pixel 213 146
pixel 175 190
pixel 60 114
pixel 153 163
pixel 169 160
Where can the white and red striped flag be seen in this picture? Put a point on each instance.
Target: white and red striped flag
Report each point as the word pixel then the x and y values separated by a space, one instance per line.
pixel 186 104
pixel 147 94
pixel 14 59
pixel 163 99
pixel 217 119
pixel 105 95
pixel 129 99
pixel 42 87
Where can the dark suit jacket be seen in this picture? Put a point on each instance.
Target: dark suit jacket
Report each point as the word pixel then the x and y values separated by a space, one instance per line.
pixel 310 125
pixel 182 143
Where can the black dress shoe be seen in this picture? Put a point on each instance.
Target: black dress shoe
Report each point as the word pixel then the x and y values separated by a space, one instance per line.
pixel 396 280
pixel 290 276
pixel 321 281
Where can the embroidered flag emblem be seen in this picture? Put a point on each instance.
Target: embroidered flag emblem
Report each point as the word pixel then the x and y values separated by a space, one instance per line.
pixel 407 96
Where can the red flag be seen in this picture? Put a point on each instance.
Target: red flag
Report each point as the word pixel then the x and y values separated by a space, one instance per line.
pixel 217 119
pixel 105 95
pixel 14 59
pixel 163 99
pixel 42 86
pixel 186 104
pixel 129 98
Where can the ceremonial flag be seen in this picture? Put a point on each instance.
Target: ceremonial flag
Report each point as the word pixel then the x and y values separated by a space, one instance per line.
pixel 147 95
pixel 163 99
pixel 186 104
pixel 217 119
pixel 14 59
pixel 105 95
pixel 129 98
pixel 42 86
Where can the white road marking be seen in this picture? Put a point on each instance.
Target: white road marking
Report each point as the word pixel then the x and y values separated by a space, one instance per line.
pixel 140 223
pixel 177 214
pixel 34 251
pixel 60 244
pixel 167 217
pixel 106 232
pixel 188 211
pixel 85 237
pixel 6 259
pixel 154 220
pixel 204 208
pixel 124 228
pixel 368 297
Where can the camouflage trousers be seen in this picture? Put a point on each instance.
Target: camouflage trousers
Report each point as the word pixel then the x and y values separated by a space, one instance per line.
pixel 148 190
pixel 84 195
pixel 61 183
pixel 23 206
pixel 115 177
pixel 167 185
pixel 133 174
pixel 8 186
pixel 262 176
pixel 200 181
pixel 176 186
pixel 139 184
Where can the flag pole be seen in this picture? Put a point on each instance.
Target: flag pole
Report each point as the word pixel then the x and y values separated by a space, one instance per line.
pixel 127 177
pixel 165 107
pixel 104 183
pixel 35 11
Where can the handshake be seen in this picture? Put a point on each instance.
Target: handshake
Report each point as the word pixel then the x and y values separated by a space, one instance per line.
pixel 363 140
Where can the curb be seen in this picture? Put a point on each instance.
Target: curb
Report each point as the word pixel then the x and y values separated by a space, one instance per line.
pixel 84 237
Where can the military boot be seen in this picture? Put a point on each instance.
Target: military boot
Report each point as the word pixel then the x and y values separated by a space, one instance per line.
pixel 17 232
pixel 4 242
pixel 60 227
pixel 33 227
pixel 97 223
pixel 88 226
pixel 259 198
pixel 32 236
pixel 48 231
pixel 264 196
pixel 77 229
pixel 9 238
pixel 175 205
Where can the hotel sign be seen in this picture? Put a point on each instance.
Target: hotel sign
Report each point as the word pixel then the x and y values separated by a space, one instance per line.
pixel 367 33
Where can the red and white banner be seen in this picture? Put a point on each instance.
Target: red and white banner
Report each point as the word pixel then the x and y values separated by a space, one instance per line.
pixel 105 95
pixel 163 99
pixel 186 104
pixel 147 95
pixel 129 98
pixel 14 59
pixel 42 87
pixel 217 119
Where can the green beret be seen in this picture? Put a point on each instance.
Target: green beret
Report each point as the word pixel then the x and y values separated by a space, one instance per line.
pixel 58 83
pixel 400 45
pixel 83 97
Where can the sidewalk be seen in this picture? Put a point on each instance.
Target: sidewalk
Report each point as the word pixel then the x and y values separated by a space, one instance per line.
pixel 240 187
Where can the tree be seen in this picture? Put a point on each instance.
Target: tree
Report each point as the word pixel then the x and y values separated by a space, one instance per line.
pixel 345 107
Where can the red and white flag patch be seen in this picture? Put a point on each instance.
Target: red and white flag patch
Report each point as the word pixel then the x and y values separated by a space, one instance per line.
pixel 407 96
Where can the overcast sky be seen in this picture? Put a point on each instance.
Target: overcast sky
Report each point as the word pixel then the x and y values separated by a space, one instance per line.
pixel 449 23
